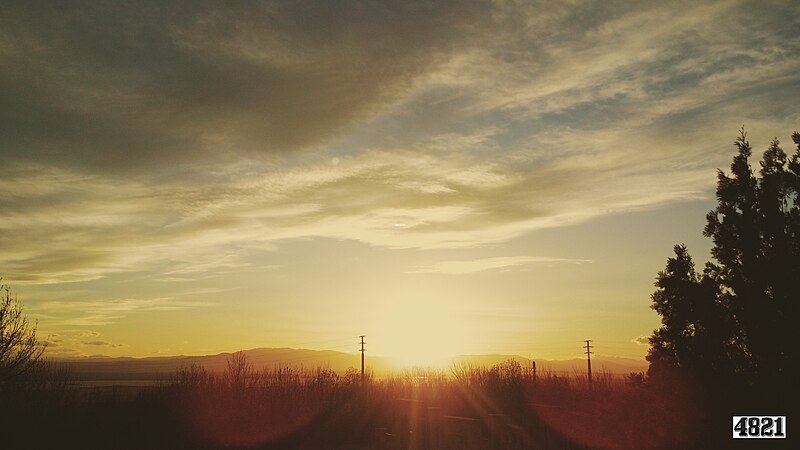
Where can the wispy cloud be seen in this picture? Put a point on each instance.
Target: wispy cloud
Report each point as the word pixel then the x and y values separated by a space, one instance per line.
pixel 459 267
pixel 101 343
pixel 71 343
pixel 53 340
pixel 104 312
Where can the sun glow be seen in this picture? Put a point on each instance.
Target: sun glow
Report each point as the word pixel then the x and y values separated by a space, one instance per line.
pixel 419 333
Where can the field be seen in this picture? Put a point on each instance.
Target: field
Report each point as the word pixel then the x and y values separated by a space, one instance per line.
pixel 504 406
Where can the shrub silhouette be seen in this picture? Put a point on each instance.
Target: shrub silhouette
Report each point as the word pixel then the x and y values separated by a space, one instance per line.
pixel 20 351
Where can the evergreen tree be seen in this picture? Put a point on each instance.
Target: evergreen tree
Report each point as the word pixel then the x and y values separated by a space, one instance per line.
pixel 733 322
pixel 696 335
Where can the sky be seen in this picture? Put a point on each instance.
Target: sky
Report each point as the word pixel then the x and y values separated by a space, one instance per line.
pixel 442 177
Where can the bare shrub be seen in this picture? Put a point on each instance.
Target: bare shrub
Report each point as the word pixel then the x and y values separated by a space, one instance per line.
pixel 239 373
pixel 20 351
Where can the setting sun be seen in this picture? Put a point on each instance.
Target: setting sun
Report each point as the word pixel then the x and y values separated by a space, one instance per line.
pixel 419 334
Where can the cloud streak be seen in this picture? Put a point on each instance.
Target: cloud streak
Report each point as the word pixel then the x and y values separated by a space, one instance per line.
pixel 460 267
pixel 101 343
pixel 104 312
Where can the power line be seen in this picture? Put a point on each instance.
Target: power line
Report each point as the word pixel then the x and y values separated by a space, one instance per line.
pixel 305 345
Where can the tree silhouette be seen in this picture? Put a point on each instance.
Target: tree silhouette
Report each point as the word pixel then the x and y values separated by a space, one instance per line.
pixel 733 322
pixel 20 351
pixel 697 335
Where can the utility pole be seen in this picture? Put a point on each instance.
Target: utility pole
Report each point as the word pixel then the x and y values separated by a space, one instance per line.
pixel 362 357
pixel 589 360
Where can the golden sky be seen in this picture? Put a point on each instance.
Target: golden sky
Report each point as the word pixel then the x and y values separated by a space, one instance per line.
pixel 447 178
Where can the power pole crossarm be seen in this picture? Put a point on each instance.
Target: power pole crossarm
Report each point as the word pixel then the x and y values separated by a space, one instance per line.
pixel 362 357
pixel 589 360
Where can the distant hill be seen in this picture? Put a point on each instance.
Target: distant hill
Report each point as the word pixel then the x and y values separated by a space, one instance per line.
pixel 163 367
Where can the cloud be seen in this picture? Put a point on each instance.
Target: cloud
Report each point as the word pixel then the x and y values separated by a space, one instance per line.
pixel 68 343
pixel 133 86
pixel 63 352
pixel 164 136
pixel 101 343
pixel 641 340
pixel 53 340
pixel 459 267
pixel 104 312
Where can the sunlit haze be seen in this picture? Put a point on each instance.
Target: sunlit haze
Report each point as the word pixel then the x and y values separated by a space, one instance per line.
pixel 446 179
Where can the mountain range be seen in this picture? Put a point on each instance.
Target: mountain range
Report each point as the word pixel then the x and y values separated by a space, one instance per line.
pixel 111 369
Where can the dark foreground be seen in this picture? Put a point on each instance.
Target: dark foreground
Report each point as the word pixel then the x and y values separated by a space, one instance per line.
pixel 503 407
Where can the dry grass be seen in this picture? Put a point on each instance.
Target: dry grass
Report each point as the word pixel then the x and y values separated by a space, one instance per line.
pixel 503 406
